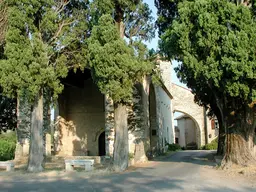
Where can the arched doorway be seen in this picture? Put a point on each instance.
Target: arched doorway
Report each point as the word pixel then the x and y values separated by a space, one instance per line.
pixel 102 144
pixel 81 106
pixel 187 131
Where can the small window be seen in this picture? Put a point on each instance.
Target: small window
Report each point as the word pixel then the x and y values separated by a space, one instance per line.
pixel 176 140
pixel 213 124
pixel 153 132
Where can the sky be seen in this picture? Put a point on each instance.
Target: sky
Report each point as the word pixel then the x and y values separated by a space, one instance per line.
pixel 154 43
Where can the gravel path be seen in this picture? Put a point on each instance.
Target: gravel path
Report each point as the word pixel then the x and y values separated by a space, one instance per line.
pixel 182 171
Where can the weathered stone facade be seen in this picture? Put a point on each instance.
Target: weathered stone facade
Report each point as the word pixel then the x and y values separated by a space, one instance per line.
pixel 83 115
pixel 81 120
pixel 23 124
pixel 183 101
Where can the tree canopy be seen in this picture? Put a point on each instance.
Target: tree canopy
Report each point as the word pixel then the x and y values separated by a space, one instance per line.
pixel 118 59
pixel 215 41
pixel 43 40
pixel 42 37
pixel 8 118
pixel 115 66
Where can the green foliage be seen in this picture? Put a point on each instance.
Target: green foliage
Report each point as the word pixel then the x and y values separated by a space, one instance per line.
pixel 167 11
pixel 211 146
pixel 174 147
pixel 115 65
pixel 131 156
pixel 215 41
pixel 8 118
pixel 7 146
pixel 136 16
pixel 42 39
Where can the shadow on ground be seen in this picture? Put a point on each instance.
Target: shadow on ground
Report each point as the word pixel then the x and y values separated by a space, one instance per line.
pixel 132 181
pixel 198 157
pixel 160 177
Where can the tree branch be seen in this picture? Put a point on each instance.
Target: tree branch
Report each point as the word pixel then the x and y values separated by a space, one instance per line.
pixel 62 5
pixel 58 32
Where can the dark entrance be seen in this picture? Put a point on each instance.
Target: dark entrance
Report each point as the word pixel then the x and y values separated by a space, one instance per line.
pixel 102 144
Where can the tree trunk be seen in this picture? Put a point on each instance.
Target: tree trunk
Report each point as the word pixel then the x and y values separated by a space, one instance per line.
pixel 221 139
pixel 240 139
pixel 237 151
pixel 36 151
pixel 121 148
pixel 119 20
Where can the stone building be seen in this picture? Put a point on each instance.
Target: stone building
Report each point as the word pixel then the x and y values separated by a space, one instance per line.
pixel 183 101
pixel 84 118
pixel 186 131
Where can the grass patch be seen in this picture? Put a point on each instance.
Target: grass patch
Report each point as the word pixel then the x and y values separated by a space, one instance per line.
pixel 174 147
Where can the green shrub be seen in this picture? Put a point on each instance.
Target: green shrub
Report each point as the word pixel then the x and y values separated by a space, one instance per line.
pixel 174 147
pixel 211 146
pixel 131 155
pixel 7 146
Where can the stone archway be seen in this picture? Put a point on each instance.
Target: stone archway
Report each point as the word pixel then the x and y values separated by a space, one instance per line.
pixel 183 101
pixel 82 112
pixel 197 131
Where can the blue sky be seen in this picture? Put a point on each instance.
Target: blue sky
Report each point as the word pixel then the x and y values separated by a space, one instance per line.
pixel 154 43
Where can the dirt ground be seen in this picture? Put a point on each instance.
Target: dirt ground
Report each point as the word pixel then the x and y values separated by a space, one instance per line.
pixel 183 171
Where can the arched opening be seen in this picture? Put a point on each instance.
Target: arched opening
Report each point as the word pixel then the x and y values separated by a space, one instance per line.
pixel 187 131
pixel 81 106
pixel 152 118
pixel 102 144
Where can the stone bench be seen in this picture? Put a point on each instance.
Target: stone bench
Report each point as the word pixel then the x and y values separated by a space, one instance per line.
pixel 87 163
pixel 8 165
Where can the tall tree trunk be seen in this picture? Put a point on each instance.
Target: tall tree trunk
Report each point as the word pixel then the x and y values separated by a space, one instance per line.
pixel 36 151
pixel 240 135
pixel 221 139
pixel 222 135
pixel 121 148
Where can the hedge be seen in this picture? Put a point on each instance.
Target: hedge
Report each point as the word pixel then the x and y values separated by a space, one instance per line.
pixel 7 146
pixel 211 146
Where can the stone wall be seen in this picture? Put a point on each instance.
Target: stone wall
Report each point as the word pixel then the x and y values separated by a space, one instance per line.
pixel 183 101
pixel 138 124
pixel 23 124
pixel 187 131
pixel 161 117
pixel 82 120
pixel 166 131
pixel 23 127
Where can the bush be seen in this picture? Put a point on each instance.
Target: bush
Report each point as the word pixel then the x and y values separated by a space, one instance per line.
pixel 7 146
pixel 211 146
pixel 174 147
